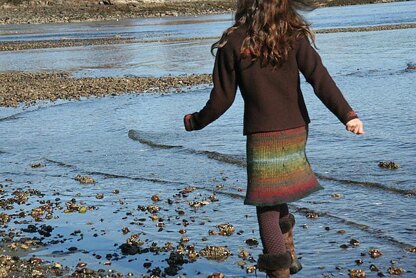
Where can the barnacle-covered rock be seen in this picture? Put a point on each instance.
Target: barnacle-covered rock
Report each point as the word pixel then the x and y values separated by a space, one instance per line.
pixel 395 270
pixel 73 206
pixel 375 253
pixel 198 204
pixel 4 218
pixel 225 229
pixel 357 273
pixel 153 208
pixel 215 252
pixel 38 213
pixel 251 268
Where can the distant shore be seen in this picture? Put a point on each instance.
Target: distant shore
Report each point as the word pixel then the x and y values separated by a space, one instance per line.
pixel 41 11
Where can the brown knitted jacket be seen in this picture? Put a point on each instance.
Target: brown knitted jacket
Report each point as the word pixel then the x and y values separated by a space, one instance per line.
pixel 272 96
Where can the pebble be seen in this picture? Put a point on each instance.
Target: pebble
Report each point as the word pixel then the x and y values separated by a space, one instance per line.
pixel 336 195
pixel 155 198
pixel 99 196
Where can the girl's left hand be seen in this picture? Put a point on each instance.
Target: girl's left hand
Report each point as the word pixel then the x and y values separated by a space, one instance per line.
pixel 189 122
pixel 355 126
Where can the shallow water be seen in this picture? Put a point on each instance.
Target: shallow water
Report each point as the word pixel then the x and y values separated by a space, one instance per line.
pixel 156 59
pixel 91 137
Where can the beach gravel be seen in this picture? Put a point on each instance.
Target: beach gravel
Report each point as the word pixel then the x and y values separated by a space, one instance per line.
pixel 29 87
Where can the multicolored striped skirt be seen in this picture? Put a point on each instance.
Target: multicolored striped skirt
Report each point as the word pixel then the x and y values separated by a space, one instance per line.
pixel 277 168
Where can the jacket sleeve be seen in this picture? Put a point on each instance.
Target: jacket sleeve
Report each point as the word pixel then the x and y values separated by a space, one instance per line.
pixel 224 90
pixel 310 64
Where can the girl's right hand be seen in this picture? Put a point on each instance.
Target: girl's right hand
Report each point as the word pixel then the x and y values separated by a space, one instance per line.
pixel 355 126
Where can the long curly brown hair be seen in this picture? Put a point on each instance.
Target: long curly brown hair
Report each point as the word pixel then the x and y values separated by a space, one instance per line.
pixel 272 25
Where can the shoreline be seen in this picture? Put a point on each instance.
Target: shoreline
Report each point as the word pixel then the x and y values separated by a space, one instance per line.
pixel 24 45
pixel 87 11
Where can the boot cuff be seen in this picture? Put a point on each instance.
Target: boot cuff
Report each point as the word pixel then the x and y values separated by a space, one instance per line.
pixel 287 223
pixel 271 262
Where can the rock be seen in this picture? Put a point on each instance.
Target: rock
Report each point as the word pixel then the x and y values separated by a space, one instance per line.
pixel 84 179
pixel 128 249
pixel 354 242
pixel 411 66
pixel 37 165
pixel 374 268
pixel 388 165
pixel 30 229
pixel 45 230
pixel 176 259
pixel 252 242
pixel 105 2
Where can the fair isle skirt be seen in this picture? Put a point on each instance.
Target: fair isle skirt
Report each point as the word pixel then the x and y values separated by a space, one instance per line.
pixel 278 170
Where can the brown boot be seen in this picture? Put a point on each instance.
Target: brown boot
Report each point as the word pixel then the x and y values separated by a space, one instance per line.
pixel 275 265
pixel 286 225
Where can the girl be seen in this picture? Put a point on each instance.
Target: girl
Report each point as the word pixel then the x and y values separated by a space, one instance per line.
pixel 262 54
